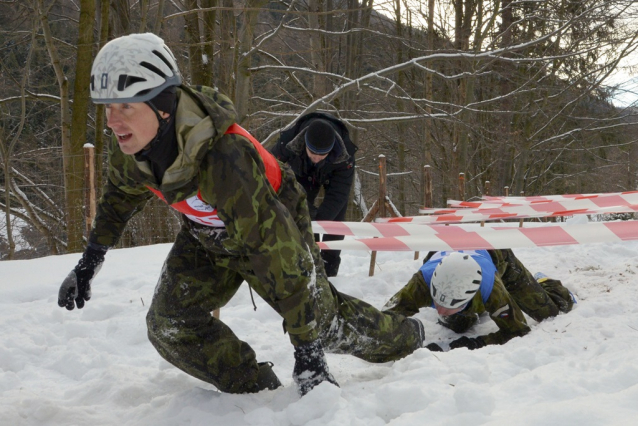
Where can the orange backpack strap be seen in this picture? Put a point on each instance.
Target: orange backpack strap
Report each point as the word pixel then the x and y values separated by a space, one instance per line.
pixel 273 171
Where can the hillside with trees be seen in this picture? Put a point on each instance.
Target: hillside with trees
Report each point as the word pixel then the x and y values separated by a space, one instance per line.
pixel 514 93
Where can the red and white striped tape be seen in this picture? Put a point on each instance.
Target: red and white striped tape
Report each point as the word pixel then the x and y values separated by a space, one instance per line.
pixel 600 205
pixel 411 237
pixel 548 205
pixel 489 204
pixel 546 198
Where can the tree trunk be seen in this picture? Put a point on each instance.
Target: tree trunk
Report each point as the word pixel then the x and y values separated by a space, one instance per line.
pixel 81 99
pixel 401 127
pixel 226 58
pixel 100 137
pixel 246 32
pixel 73 176
pixel 121 17
pixel 316 54
pixel 198 66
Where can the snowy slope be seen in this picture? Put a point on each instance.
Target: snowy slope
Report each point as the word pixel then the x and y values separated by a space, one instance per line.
pixel 96 367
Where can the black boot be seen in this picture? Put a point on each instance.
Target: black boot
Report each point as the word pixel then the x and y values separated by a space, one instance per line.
pixel 266 378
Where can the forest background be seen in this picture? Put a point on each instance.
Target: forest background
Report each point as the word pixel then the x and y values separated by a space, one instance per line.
pixel 514 93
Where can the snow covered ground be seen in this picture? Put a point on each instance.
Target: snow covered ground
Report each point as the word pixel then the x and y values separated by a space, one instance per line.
pixel 95 366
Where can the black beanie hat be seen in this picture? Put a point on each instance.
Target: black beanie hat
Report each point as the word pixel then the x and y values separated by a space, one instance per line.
pixel 165 100
pixel 320 137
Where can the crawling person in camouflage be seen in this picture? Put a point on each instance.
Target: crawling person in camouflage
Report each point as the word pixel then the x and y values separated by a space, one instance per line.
pixel 245 218
pixel 462 285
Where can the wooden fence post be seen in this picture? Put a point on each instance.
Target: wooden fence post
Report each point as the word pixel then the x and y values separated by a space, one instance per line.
pixel 427 193
pixel 487 192
pixel 462 186
pixel 89 187
pixel 520 223
pixel 380 204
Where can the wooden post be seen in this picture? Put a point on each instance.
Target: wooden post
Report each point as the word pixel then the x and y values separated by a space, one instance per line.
pixel 89 187
pixel 216 313
pixel 507 191
pixel 427 187
pixel 520 223
pixel 486 190
pixel 462 186
pixel 427 193
pixel 380 205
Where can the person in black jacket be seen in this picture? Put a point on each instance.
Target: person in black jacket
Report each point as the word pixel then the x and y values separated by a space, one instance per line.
pixel 319 150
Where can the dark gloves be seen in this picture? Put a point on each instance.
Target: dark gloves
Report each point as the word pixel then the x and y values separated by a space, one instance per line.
pixel 434 347
pixel 310 367
pixel 76 287
pixel 468 342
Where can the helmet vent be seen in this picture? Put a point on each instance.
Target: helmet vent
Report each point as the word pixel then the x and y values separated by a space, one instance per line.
pixel 126 80
pixel 163 58
pixel 153 68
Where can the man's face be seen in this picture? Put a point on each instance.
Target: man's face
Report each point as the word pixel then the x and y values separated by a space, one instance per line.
pixel 134 124
pixel 315 158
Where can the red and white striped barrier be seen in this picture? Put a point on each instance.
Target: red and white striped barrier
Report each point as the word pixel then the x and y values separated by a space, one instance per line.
pixel 600 205
pixel 489 204
pixel 546 198
pixel 411 237
pixel 558 204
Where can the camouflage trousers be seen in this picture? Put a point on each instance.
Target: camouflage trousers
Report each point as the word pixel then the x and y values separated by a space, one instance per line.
pixel 199 276
pixel 539 300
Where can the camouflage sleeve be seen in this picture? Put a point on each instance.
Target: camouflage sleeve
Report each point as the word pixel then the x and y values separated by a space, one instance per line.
pixel 506 314
pixel 413 296
pixel 115 209
pixel 124 195
pixel 263 229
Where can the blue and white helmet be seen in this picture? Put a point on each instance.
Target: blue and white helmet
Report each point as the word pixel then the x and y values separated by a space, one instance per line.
pixel 455 280
pixel 133 68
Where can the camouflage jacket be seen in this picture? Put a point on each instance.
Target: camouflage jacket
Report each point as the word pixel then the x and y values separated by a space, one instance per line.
pixel 229 174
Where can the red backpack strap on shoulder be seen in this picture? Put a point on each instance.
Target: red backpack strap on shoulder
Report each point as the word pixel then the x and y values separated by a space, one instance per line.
pixel 273 171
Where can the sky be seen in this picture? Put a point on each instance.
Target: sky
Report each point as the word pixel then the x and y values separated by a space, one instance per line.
pixel 95 366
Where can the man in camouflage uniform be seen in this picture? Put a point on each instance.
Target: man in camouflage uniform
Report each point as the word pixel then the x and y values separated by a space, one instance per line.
pixel 501 287
pixel 245 219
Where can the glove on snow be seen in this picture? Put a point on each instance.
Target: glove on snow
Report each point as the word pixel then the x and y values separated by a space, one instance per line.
pixel 310 367
pixel 467 342
pixel 434 347
pixel 76 287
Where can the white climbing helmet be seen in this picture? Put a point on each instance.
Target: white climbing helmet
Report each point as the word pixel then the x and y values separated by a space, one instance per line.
pixel 455 280
pixel 133 68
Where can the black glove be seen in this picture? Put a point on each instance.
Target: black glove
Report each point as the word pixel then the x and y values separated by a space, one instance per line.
pixel 434 347
pixel 310 367
pixel 76 287
pixel 467 342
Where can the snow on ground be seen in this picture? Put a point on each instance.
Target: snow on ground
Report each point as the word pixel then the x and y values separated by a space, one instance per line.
pixel 95 366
